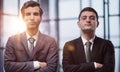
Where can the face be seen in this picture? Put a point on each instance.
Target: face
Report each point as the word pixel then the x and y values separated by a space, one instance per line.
pixel 88 21
pixel 32 17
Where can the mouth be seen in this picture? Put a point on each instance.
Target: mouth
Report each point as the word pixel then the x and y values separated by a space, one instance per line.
pixel 87 24
pixel 31 23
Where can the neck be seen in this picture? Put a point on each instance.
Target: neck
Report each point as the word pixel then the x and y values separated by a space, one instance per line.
pixel 32 32
pixel 88 36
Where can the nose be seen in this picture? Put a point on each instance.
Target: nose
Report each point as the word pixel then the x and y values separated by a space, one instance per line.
pixel 31 16
pixel 88 19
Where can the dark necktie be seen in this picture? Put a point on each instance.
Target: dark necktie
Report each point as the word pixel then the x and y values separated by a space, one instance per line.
pixel 88 44
pixel 31 40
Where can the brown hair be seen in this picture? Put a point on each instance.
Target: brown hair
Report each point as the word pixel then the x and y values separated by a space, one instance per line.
pixel 31 4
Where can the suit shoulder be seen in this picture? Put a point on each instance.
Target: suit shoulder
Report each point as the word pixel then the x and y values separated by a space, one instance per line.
pixel 70 45
pixel 101 40
pixel 48 38
pixel 16 36
pixel 73 41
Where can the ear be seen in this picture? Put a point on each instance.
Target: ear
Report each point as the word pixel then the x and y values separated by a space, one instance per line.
pixel 78 22
pixel 97 23
pixel 40 18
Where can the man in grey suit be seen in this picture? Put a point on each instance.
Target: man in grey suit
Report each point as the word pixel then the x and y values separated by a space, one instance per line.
pixel 31 51
pixel 88 53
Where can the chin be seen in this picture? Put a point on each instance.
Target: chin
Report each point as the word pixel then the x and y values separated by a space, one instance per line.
pixel 32 28
pixel 88 30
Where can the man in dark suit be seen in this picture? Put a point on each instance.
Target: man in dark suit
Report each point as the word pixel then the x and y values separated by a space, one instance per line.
pixel 88 53
pixel 31 51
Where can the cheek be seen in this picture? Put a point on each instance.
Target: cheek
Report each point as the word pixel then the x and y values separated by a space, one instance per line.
pixel 80 25
pixel 25 19
pixel 38 19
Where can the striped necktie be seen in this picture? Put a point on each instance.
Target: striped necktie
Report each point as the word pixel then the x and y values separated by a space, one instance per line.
pixel 31 40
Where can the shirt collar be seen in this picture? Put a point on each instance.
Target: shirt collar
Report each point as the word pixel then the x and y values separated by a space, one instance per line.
pixel 34 36
pixel 84 40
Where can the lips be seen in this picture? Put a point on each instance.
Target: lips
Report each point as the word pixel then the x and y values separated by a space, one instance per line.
pixel 31 23
pixel 87 24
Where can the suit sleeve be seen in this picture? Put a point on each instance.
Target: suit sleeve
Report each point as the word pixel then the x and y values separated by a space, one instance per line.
pixel 11 63
pixel 70 66
pixel 109 58
pixel 51 60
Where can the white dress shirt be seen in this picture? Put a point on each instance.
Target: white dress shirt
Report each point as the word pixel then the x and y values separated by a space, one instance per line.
pixel 92 41
pixel 35 63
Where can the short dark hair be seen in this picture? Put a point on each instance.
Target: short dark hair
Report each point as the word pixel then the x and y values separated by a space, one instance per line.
pixel 31 4
pixel 88 9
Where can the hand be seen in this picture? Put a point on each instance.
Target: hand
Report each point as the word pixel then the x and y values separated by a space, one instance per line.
pixel 42 64
pixel 99 65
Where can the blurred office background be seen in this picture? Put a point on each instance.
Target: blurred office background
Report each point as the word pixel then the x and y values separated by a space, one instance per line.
pixel 60 22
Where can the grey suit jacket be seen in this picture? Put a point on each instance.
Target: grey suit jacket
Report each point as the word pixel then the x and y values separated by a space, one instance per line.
pixel 19 59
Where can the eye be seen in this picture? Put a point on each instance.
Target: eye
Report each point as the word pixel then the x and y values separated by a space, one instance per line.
pixel 27 14
pixel 92 17
pixel 36 14
pixel 83 17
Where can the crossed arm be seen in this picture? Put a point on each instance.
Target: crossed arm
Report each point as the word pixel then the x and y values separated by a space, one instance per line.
pixel 18 61
pixel 69 64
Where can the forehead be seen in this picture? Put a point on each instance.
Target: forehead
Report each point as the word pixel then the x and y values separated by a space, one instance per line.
pixel 32 9
pixel 88 13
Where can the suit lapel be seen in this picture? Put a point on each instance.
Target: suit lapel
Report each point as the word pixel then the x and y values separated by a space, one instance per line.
pixel 80 51
pixel 95 48
pixel 24 43
pixel 39 44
